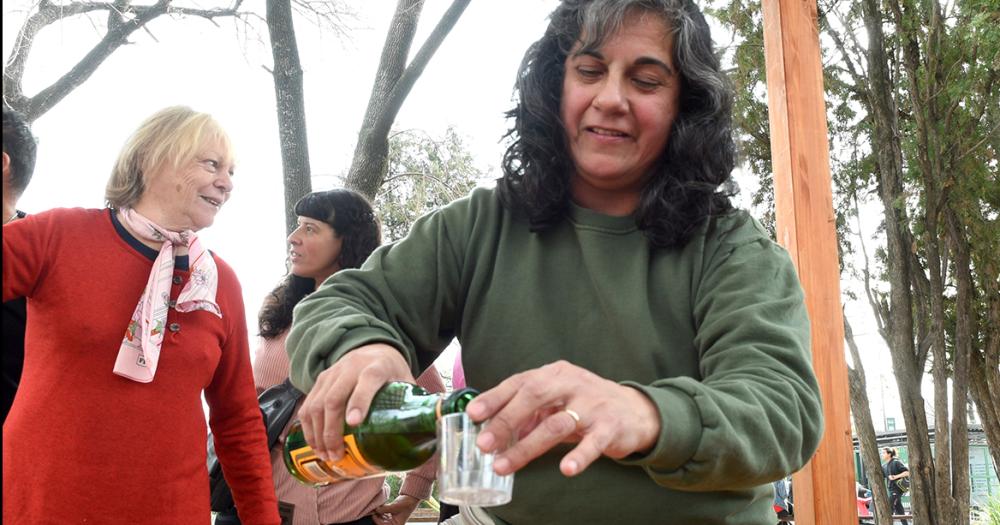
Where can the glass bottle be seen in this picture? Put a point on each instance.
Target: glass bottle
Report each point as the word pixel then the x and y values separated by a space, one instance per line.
pixel 399 434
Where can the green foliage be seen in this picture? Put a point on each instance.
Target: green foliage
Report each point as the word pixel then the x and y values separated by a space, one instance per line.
pixel 395 481
pixel 424 174
pixel 931 158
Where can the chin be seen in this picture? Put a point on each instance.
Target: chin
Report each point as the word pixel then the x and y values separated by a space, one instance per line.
pixel 203 223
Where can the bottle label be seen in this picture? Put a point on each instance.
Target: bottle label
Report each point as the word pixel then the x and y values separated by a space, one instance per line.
pixel 317 471
pixel 309 465
pixel 353 463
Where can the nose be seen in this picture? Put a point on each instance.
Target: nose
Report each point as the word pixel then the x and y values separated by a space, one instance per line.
pixel 292 238
pixel 611 97
pixel 224 182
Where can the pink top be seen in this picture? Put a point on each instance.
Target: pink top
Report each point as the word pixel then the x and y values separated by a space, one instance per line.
pixel 457 372
pixel 339 502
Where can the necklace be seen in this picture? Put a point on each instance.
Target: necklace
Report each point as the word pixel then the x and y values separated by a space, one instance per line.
pixel 11 218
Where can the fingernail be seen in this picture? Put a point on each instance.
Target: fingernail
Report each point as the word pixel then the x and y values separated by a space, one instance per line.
pixel 485 441
pixel 354 417
pixel 501 466
pixel 571 467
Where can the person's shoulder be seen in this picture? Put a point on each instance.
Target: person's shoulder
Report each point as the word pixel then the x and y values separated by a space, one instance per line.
pixel 731 229
pixel 225 270
pixel 481 205
pixel 66 220
pixel 478 199
pixel 737 227
pixel 228 281
pixel 70 214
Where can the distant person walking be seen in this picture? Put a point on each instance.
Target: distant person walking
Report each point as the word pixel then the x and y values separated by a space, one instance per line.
pixel 895 471
pixel 782 500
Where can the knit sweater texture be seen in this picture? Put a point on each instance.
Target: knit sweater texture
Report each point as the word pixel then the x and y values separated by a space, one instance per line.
pixel 715 333
pixel 83 445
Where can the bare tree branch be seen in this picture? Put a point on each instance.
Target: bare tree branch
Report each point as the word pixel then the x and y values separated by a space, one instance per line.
pixel 123 19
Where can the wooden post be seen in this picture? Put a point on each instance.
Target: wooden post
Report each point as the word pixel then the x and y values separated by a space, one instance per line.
pixel 806 227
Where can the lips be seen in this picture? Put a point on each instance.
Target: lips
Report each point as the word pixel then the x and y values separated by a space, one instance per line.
pixel 607 132
pixel 214 202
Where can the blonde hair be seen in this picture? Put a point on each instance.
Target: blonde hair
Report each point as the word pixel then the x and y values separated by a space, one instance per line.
pixel 170 138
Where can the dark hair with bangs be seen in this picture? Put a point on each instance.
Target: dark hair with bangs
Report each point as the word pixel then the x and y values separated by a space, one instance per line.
pixel 352 218
pixel 683 189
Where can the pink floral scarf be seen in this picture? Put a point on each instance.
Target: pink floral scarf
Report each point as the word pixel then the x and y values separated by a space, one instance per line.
pixel 140 349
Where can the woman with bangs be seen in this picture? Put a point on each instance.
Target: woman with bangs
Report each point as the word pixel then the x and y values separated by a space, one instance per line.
pixel 131 319
pixel 646 342
pixel 337 230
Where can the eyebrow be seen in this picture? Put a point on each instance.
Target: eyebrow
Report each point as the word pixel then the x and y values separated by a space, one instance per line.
pixel 641 61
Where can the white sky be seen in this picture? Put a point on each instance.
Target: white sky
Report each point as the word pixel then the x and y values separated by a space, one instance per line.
pixel 221 71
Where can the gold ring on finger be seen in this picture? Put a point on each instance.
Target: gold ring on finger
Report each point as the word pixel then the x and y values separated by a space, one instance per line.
pixel 574 415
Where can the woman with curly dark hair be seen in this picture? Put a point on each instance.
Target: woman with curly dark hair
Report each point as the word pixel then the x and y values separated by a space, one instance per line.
pixel 337 230
pixel 648 343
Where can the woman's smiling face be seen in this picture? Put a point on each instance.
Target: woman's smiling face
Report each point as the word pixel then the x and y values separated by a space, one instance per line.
pixel 619 102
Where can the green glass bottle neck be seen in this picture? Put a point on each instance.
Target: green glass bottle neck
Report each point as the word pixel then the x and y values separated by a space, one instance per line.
pixel 458 400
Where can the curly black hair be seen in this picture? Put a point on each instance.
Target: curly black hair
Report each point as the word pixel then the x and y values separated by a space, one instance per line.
pixel 683 189
pixel 19 145
pixel 353 219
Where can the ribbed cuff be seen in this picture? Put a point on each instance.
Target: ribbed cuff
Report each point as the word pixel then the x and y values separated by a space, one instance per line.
pixel 680 429
pixel 417 486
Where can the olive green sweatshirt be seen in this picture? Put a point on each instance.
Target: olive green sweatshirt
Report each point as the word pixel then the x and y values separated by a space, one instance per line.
pixel 715 333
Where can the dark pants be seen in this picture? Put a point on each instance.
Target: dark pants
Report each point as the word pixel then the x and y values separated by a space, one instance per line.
pixel 896 502
pixel 447 511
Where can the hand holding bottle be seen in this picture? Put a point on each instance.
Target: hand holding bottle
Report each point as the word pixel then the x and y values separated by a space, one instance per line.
pixel 344 392
pixel 561 402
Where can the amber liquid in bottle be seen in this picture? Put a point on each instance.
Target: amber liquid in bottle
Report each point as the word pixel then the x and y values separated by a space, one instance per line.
pixel 399 434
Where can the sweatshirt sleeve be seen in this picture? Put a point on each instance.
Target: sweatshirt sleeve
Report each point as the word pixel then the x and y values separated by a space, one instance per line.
pixel 235 418
pixel 406 295
pixel 755 415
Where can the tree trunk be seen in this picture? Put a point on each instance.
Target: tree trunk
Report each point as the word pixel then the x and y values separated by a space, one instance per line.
pixel 862 413
pixel 393 82
pixel 900 328
pixel 964 314
pixel 288 92
pixel 986 402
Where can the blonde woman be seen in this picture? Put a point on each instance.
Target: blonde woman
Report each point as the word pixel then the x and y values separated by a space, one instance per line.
pixel 130 320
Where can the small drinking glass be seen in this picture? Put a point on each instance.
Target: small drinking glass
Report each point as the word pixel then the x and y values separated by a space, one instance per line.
pixel 466 475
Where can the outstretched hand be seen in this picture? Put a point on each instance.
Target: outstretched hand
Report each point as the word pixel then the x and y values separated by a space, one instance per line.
pixel 562 402
pixel 344 392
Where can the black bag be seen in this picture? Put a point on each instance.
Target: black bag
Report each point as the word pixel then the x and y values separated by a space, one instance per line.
pixel 896 467
pixel 903 485
pixel 277 405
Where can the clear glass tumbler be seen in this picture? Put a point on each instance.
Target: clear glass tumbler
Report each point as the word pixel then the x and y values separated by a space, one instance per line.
pixel 465 475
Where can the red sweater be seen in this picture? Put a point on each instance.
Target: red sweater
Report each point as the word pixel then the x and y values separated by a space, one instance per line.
pixel 83 445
